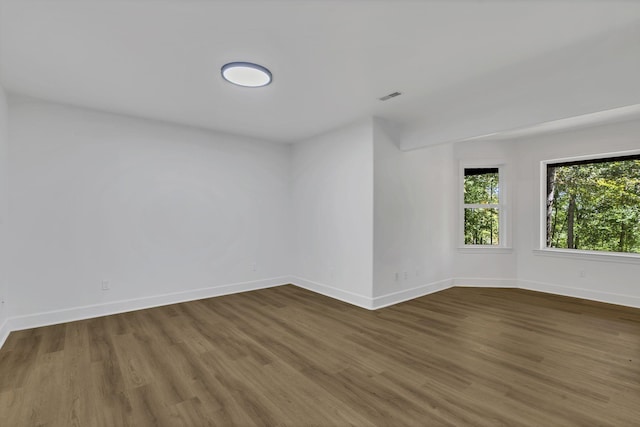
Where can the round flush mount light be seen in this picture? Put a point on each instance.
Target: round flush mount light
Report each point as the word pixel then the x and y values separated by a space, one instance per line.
pixel 246 74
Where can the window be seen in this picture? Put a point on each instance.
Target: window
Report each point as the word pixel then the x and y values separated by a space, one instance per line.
pixel 594 204
pixel 483 213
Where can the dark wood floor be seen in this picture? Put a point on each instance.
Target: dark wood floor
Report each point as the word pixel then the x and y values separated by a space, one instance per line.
pixel 286 356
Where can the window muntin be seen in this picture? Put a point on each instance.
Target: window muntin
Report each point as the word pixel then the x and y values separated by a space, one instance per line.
pixel 482 211
pixel 594 204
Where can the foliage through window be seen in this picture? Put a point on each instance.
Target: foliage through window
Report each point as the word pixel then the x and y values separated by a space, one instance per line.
pixel 594 204
pixel 482 206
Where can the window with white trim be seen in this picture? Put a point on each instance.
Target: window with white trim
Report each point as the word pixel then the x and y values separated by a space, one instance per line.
pixel 482 207
pixel 593 204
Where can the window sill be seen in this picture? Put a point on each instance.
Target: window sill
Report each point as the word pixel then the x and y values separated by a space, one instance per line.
pixel 590 255
pixel 485 249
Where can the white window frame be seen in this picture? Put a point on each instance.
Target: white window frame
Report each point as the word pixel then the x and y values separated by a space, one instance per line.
pixel 503 229
pixel 576 253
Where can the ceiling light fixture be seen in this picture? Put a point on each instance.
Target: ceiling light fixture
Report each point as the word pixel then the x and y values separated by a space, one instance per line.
pixel 246 74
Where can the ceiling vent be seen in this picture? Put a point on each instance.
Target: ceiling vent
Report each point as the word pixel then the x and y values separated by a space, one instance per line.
pixel 391 95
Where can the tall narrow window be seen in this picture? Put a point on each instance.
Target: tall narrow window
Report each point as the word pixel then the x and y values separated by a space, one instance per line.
pixel 594 204
pixel 482 206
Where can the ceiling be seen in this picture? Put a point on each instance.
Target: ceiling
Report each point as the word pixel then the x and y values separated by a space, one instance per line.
pixel 452 60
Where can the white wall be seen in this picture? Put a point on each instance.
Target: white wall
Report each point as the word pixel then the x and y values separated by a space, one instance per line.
pixel 4 177
pixel 153 208
pixel 169 213
pixel 414 218
pixel 610 280
pixel 332 190
pixel 487 267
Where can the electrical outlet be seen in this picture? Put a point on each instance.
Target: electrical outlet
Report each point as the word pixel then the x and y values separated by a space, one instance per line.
pixel 397 275
pixel 582 274
pixel 253 266
pixel 105 285
pixel 406 275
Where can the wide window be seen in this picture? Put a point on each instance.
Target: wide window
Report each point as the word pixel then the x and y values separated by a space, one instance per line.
pixel 482 206
pixel 594 204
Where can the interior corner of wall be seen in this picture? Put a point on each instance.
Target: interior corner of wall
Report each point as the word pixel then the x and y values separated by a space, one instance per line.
pixel 392 130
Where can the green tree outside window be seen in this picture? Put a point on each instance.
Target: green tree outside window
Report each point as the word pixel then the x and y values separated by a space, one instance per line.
pixel 594 205
pixel 482 206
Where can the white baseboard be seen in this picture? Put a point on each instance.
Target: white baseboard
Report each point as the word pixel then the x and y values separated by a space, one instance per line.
pixel 485 283
pixel 329 291
pixel 368 302
pixel 4 332
pixel 96 310
pixel 409 294
pixel 85 312
pixel 611 298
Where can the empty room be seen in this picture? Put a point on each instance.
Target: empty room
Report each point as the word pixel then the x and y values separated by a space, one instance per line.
pixel 319 213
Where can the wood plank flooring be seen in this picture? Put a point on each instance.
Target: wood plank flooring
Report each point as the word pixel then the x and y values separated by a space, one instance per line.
pixel 288 357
